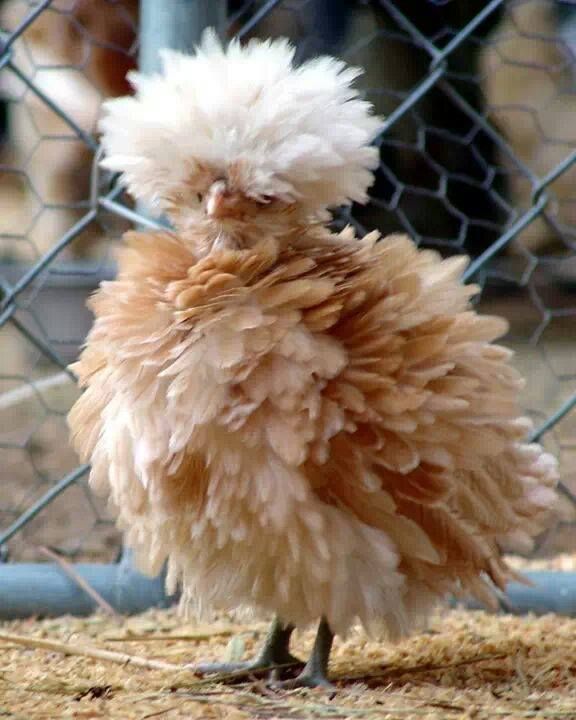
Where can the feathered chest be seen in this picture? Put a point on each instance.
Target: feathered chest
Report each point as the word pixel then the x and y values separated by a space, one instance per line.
pixel 290 349
pixel 238 341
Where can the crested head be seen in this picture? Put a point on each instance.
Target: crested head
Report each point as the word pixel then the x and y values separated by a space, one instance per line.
pixel 247 118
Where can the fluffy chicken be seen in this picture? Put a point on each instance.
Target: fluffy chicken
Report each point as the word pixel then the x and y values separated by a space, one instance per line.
pixel 305 424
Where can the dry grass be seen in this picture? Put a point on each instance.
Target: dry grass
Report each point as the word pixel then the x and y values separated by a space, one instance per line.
pixel 469 665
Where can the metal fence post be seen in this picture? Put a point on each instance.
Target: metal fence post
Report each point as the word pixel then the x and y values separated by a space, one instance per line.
pixel 175 24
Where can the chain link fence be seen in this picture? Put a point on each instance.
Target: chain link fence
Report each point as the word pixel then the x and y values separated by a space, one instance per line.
pixel 477 156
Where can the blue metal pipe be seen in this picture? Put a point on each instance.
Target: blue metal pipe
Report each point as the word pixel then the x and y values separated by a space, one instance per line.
pixel 45 590
pixel 552 592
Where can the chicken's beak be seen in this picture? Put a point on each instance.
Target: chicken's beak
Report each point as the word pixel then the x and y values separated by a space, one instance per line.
pixel 216 205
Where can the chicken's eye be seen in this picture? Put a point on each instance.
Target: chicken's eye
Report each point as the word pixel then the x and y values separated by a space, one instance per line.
pixel 199 197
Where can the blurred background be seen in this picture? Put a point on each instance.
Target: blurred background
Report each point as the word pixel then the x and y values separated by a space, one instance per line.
pixel 477 156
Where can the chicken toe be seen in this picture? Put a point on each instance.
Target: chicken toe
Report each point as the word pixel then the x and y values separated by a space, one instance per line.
pixel 274 656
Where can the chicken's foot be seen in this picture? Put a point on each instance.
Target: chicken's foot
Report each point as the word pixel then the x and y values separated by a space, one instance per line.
pixel 274 654
pixel 315 672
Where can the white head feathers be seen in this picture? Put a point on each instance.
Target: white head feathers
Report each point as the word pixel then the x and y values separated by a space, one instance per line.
pixel 295 133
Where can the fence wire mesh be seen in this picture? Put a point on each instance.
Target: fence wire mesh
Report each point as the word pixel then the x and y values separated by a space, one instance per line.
pixel 477 156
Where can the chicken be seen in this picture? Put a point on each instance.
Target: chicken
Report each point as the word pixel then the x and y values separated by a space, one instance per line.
pixel 302 424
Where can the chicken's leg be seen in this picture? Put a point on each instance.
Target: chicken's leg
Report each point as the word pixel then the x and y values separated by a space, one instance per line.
pixel 315 672
pixel 274 653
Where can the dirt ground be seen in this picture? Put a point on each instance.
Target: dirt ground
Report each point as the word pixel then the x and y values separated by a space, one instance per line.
pixel 468 665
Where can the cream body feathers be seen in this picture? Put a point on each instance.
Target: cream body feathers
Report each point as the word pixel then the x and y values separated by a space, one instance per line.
pixel 303 423
pixel 324 430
